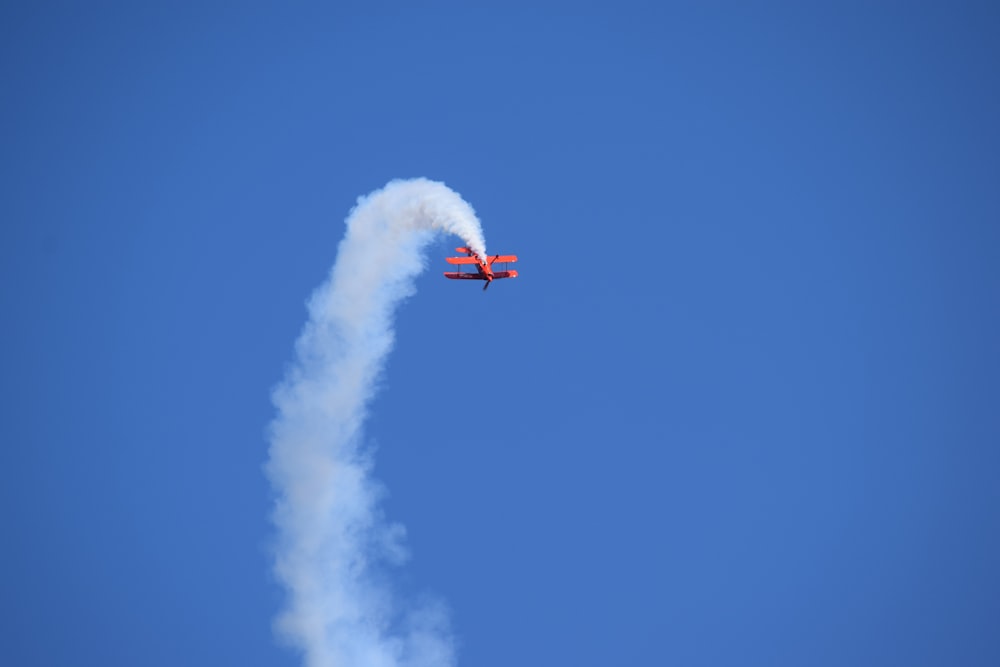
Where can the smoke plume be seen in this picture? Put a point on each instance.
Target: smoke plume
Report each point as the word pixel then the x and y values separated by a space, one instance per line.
pixel 332 539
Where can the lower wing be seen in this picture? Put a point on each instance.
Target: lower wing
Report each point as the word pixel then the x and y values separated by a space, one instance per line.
pixel 464 276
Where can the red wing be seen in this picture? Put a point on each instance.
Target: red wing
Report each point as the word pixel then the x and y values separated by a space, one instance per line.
pixel 504 258
pixel 463 276
pixel 461 260
pixel 504 274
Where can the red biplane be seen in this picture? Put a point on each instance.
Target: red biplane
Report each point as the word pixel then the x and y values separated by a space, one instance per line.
pixel 484 269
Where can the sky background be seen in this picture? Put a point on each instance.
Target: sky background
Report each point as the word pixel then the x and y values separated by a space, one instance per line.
pixel 740 407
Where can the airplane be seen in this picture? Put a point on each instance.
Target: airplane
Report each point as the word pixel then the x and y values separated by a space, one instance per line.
pixel 484 269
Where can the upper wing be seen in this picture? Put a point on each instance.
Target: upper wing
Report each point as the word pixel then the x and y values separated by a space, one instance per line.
pixel 504 258
pixel 461 260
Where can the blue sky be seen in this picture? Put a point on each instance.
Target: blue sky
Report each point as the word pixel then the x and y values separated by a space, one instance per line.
pixel 739 408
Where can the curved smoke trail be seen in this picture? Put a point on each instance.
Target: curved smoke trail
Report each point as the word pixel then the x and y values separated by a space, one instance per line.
pixel 331 536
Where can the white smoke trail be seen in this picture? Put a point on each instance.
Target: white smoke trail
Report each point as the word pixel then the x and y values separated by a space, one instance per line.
pixel 331 536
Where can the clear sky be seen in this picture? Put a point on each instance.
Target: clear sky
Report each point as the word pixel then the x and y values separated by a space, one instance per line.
pixel 740 408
